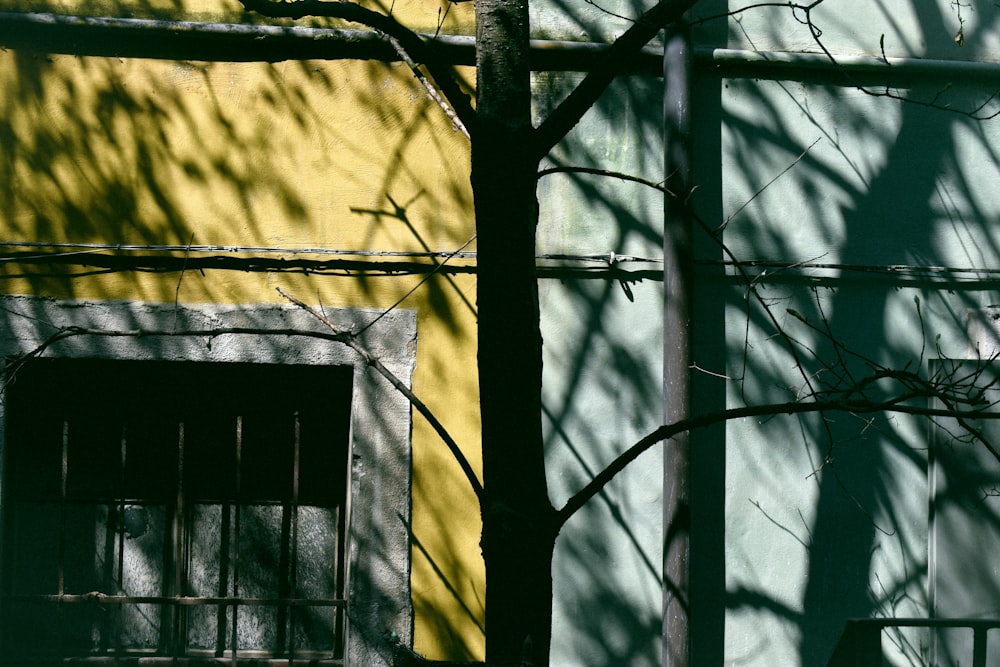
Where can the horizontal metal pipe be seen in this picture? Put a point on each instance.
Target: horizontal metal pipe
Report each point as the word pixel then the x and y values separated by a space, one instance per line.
pixel 78 265
pixel 196 40
pixel 183 600
pixel 54 249
pixel 69 249
pixel 193 40
pixel 729 59
pixel 895 622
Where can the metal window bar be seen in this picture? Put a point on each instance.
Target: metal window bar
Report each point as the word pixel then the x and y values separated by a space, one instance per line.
pixel 294 537
pixel 178 549
pixel 236 537
pixel 861 643
pixel 181 601
pixel 61 563
pixel 222 586
pixel 116 578
pixel 175 601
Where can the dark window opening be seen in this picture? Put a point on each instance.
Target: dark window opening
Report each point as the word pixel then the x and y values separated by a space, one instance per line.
pixel 175 510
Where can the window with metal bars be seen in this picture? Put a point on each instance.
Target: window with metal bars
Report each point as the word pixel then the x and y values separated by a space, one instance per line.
pixel 169 510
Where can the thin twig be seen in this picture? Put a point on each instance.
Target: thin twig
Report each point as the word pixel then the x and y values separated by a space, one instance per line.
pixel 337 334
pixel 603 172
pixel 180 279
pixel 428 86
pixel 438 266
pixel 349 339
pixel 418 48
pixel 764 187
pixel 667 431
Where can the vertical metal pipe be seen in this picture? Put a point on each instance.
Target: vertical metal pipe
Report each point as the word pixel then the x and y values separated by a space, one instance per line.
pixel 676 345
pixel 120 509
pixel 64 474
pixel 293 542
pixel 179 549
pixel 978 646
pixel 236 539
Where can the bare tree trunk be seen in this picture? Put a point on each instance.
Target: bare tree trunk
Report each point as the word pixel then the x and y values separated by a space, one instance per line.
pixel 518 519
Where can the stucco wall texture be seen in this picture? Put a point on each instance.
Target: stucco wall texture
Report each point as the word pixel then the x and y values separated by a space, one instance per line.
pixel 266 160
pixel 800 169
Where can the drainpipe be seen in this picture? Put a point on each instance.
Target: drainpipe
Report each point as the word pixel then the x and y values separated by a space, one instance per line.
pixel 677 228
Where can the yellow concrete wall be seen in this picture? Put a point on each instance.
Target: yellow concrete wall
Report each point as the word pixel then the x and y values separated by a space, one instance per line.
pixel 287 155
pixel 420 15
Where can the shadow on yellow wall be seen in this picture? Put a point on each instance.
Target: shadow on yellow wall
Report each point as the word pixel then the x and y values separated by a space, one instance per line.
pixel 216 182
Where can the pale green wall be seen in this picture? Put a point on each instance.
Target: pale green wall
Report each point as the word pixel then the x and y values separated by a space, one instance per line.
pixel 602 382
pixel 870 182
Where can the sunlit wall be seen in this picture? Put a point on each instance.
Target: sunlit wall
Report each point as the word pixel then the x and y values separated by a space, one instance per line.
pixel 266 164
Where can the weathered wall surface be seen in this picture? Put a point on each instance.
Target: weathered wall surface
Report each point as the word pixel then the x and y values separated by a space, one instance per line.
pixel 112 167
pixel 602 383
pixel 263 162
pixel 845 197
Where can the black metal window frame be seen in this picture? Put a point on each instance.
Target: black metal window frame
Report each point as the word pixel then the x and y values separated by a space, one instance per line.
pixel 378 545
pixel 74 480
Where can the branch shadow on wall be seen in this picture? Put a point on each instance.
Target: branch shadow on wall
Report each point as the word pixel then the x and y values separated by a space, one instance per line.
pixel 100 154
pixel 857 514
pixel 90 159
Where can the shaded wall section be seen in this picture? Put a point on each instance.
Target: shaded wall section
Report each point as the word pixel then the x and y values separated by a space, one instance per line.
pixel 602 382
pixel 860 203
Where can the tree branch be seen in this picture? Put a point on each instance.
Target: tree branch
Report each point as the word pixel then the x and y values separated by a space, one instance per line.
pixel 603 172
pixel 419 50
pixel 569 112
pixel 432 92
pixel 853 406
pixel 349 339
pixel 337 335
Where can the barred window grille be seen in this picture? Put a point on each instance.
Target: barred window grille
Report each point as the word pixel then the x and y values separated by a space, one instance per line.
pixel 157 511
